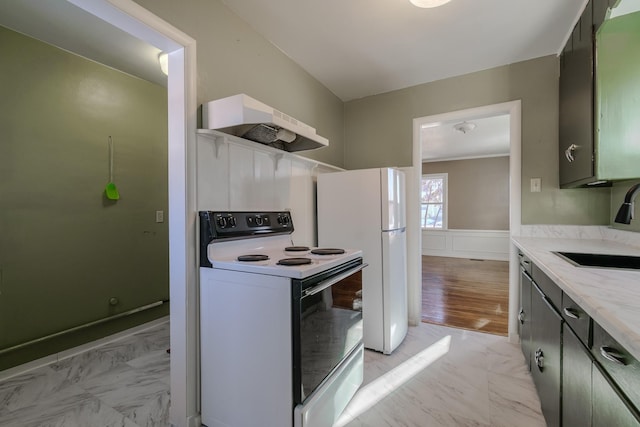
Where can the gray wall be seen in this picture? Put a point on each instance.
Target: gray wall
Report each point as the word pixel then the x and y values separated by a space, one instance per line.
pixel 65 249
pixel 379 133
pixel 232 58
pixel 478 192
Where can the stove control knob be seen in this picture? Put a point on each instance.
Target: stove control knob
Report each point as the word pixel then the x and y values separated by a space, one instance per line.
pixel 232 221
pixel 283 220
pixel 259 220
pixel 222 222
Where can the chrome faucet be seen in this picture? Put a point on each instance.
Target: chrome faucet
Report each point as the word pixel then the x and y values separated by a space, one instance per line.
pixel 625 213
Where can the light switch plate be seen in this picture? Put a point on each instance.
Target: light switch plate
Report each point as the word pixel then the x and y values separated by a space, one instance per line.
pixel 536 184
pixel 159 216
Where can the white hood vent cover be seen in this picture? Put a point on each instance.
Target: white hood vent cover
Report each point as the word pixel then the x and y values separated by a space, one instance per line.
pixel 248 118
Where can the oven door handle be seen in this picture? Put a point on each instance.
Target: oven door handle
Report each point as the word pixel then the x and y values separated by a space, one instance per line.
pixel 332 280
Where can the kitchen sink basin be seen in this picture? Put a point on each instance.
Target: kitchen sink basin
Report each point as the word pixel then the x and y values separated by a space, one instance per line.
pixel 601 260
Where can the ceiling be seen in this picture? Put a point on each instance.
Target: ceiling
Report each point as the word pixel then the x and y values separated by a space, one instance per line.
pixel 358 48
pixel 488 138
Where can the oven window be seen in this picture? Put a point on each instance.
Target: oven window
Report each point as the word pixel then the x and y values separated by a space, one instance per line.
pixel 330 328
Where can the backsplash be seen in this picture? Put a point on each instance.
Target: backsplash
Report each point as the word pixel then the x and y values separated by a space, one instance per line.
pixel 235 174
pixel 594 232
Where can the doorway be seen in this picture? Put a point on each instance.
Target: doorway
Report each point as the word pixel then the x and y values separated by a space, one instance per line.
pixel 128 17
pixel 513 111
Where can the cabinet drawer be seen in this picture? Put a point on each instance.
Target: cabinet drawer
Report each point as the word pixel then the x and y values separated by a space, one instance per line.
pixel 623 368
pixel 547 286
pixel 578 320
pixel 525 262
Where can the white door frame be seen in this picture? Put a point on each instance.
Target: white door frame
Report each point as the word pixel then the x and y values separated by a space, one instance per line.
pixel 514 109
pixel 182 110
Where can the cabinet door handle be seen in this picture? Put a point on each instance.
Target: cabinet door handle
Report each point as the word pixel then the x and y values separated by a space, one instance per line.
pixel 612 355
pixel 571 312
pixel 539 358
pixel 568 153
pixel 521 316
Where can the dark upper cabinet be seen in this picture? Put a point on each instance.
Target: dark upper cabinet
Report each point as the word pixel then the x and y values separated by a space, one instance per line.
pixel 599 98
pixel 576 132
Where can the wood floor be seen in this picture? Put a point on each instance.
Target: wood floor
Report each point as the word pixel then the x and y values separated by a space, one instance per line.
pixel 466 293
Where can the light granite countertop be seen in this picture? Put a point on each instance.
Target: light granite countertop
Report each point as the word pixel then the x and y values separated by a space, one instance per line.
pixel 610 296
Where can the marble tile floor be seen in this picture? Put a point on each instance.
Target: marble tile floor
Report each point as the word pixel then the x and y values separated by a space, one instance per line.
pixel 124 383
pixel 439 376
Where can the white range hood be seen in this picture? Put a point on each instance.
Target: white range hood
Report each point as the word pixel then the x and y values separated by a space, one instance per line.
pixel 248 118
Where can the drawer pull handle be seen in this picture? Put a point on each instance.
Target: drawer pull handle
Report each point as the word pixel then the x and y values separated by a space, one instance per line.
pixel 571 312
pixel 612 355
pixel 526 262
pixel 521 316
pixel 539 358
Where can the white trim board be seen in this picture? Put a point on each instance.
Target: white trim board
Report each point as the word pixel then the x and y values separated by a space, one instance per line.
pixel 182 118
pixel 475 244
pixel 514 109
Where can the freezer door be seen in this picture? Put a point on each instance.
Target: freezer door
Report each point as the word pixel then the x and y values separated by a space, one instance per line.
pixel 394 288
pixel 393 201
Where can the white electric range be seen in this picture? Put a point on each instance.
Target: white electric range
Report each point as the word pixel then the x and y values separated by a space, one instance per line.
pixel 280 324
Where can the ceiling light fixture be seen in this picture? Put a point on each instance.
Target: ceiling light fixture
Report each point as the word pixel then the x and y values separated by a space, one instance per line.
pixel 428 3
pixel 464 127
pixel 163 59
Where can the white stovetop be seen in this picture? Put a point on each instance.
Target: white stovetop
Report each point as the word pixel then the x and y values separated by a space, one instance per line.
pixel 610 296
pixel 224 256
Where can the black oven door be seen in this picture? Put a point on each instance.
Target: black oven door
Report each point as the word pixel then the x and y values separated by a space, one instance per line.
pixel 327 324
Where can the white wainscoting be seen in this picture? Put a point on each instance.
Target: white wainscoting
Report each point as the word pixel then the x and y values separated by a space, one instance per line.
pixel 476 244
pixel 238 175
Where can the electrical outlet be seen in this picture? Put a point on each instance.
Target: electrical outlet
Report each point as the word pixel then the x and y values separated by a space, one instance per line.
pixel 159 216
pixel 536 185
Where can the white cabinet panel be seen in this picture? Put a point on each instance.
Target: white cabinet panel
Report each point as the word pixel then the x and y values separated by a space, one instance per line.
pixel 212 174
pixel 302 204
pixel 263 182
pixel 241 191
pixel 282 182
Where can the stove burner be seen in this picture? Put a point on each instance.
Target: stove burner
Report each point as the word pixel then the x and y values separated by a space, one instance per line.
pixel 296 248
pixel 327 251
pixel 294 261
pixel 252 258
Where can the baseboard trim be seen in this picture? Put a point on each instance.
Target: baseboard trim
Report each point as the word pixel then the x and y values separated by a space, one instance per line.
pixel 476 244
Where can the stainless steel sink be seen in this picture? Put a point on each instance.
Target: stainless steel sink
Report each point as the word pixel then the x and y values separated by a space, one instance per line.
pixel 601 260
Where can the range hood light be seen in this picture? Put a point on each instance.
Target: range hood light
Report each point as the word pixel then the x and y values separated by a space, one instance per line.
pixel 428 3
pixel 285 135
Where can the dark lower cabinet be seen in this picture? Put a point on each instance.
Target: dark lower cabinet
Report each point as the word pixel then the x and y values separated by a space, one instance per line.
pixel 524 315
pixel 576 380
pixel 609 407
pixel 546 353
pixel 583 376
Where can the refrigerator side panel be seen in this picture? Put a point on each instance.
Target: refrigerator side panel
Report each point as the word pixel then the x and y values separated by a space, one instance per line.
pixel 349 217
pixel 394 255
pixel 392 184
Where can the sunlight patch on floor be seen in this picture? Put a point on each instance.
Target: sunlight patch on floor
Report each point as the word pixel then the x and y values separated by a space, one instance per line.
pixel 381 387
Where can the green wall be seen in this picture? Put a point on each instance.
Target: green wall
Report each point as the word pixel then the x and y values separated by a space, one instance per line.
pixel 379 131
pixel 65 249
pixel 232 58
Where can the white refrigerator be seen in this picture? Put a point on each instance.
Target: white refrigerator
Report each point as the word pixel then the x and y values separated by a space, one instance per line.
pixel 365 209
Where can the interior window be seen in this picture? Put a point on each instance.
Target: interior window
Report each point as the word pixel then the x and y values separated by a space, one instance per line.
pixel 434 201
